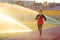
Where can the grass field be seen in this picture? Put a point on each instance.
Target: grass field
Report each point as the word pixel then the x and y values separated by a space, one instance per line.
pixel 52 12
pixel 28 20
pixel 33 25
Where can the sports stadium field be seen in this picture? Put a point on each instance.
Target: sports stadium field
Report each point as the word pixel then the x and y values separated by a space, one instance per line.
pixel 14 19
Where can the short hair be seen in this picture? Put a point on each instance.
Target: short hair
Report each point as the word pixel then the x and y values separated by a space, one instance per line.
pixel 41 11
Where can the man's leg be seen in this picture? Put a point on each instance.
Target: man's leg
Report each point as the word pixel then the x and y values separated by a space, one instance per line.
pixel 40 28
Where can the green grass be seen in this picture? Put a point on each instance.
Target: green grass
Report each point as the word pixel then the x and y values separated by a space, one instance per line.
pixel 52 12
pixel 33 25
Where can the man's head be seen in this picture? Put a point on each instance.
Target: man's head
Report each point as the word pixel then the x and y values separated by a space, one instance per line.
pixel 40 11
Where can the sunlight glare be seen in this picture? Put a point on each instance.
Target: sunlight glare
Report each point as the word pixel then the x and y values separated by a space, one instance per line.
pixel 11 20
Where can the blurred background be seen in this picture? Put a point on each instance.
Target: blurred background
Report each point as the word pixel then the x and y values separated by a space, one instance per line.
pixel 17 16
pixel 36 4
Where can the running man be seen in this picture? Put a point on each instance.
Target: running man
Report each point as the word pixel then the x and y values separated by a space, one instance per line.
pixel 40 20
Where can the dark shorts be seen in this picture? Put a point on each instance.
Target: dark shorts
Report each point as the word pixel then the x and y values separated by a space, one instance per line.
pixel 39 26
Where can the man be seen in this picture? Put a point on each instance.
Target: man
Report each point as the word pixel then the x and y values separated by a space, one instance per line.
pixel 40 20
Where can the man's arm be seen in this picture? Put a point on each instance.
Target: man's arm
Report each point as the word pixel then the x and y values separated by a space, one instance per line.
pixel 44 18
pixel 36 17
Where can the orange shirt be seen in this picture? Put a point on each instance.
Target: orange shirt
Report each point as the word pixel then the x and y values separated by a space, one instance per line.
pixel 40 21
